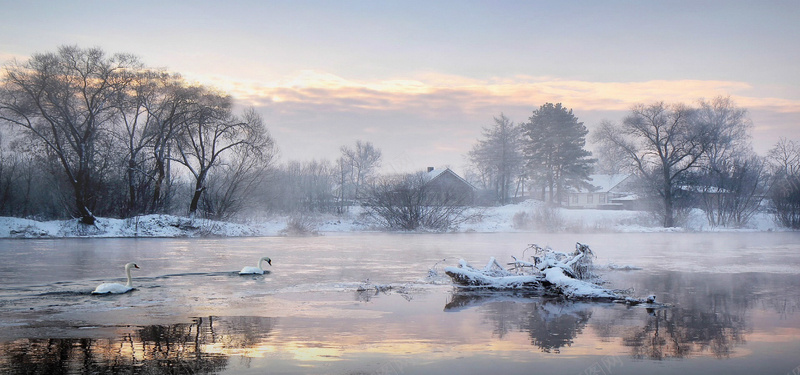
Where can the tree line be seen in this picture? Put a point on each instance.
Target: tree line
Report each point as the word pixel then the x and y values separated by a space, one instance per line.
pixel 683 157
pixel 86 134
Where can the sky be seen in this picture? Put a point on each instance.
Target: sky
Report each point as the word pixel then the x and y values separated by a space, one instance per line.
pixel 421 79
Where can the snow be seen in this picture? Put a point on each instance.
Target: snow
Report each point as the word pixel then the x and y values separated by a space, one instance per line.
pixel 554 274
pixel 574 288
pixel 484 220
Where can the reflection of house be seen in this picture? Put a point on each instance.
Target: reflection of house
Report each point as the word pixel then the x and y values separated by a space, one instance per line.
pixel 449 188
pixel 610 192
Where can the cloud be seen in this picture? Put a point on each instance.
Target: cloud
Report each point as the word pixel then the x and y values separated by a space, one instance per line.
pixel 433 119
pixel 432 93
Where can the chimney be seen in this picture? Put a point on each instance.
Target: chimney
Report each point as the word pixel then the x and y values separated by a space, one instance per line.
pixel 430 169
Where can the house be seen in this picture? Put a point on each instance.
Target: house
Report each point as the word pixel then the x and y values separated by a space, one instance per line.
pixel 609 192
pixel 448 187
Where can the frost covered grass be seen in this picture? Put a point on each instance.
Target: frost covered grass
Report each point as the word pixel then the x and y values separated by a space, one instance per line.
pixel 528 216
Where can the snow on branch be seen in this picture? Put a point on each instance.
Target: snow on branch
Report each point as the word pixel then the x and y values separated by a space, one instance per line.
pixel 550 273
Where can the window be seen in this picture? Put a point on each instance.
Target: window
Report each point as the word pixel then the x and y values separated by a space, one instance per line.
pixel 589 198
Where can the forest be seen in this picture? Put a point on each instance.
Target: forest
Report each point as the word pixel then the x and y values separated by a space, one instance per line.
pixel 87 134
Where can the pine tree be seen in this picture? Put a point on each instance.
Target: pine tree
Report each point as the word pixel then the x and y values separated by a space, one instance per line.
pixel 498 157
pixel 554 151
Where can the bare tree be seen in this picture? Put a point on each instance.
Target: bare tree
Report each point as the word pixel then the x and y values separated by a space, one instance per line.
pixel 609 159
pixel 232 183
pixel 136 133
pixel 784 157
pixel 212 131
pixel 66 99
pixel 358 166
pixel 784 194
pixel 731 192
pixel 732 179
pixel 498 158
pixel 663 142
pixel 303 187
pixel 726 128
pixel 409 202
pixel 170 106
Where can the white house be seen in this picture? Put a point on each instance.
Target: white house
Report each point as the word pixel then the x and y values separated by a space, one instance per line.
pixel 610 192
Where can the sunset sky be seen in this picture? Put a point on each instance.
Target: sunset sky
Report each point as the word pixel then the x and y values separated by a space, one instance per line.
pixel 420 79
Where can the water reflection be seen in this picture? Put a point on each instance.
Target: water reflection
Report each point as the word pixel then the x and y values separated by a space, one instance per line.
pixel 678 333
pixel 551 324
pixel 708 314
pixel 328 322
pixel 199 347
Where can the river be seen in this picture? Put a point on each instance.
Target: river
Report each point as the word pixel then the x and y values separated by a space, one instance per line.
pixel 368 304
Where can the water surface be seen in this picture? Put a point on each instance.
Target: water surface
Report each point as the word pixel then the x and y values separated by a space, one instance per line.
pixel 366 304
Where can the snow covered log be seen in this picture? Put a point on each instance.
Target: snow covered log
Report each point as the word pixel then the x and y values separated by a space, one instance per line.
pixel 552 274
pixel 476 278
pixel 559 282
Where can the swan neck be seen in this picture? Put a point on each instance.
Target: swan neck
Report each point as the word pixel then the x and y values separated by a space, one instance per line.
pixel 260 261
pixel 128 273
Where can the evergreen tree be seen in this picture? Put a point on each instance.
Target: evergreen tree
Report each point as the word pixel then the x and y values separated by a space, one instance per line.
pixel 498 157
pixel 554 151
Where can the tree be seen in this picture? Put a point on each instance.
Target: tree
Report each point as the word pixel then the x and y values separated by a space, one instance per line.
pixel 732 179
pixel 409 202
pixel 357 168
pixel 497 157
pixel 212 131
pixel 663 142
pixel 554 143
pixel 66 100
pixel 303 187
pixel 231 184
pixel 784 194
pixel 731 192
pixel 784 158
pixel 170 106
pixel 152 112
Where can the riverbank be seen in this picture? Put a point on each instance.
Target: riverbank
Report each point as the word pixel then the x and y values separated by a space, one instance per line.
pixel 529 216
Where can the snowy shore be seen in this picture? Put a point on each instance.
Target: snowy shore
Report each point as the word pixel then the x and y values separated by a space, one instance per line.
pixel 522 217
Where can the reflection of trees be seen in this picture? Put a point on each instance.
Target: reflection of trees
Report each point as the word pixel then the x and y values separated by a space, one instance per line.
pixel 156 349
pixel 551 324
pixel 707 315
pixel 677 333
pixel 710 317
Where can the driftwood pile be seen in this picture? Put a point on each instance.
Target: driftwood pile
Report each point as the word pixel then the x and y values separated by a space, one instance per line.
pixel 548 273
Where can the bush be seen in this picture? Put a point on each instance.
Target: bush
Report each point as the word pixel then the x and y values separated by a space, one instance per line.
pixel 785 197
pixel 409 203
pixel 299 226
pixel 544 218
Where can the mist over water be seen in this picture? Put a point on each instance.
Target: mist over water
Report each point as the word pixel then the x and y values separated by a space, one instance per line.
pixel 366 303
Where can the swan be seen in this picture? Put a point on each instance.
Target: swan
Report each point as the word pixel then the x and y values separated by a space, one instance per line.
pixel 255 270
pixel 114 288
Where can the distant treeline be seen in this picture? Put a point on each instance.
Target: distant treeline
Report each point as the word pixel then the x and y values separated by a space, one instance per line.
pixel 86 134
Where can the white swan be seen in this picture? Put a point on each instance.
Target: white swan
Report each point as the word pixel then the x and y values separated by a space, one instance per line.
pixel 255 270
pixel 114 288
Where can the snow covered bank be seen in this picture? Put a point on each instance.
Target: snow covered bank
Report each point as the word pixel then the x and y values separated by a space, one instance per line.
pixel 141 226
pixel 529 216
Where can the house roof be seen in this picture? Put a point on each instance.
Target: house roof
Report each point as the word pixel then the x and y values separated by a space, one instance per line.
pixel 606 182
pixel 435 173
